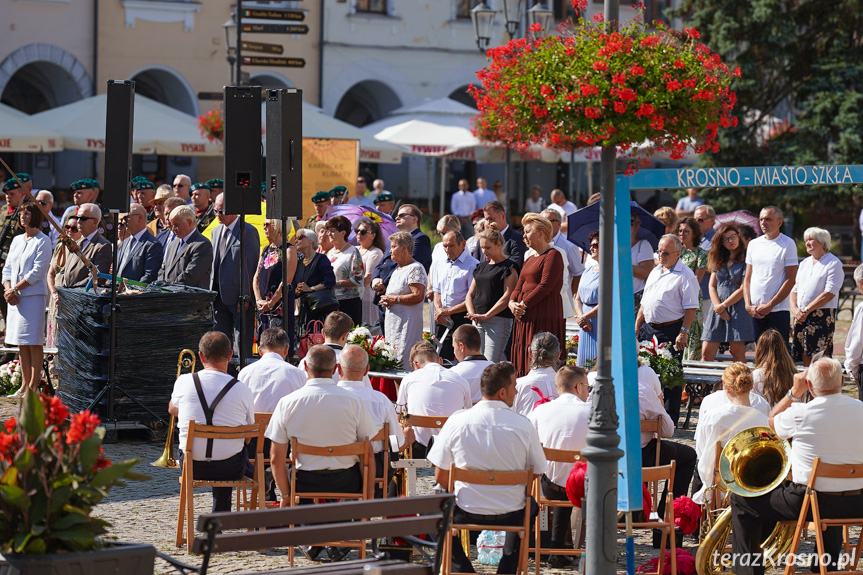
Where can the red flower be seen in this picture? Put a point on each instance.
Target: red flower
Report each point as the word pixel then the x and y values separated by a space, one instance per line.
pixel 692 33
pixel 644 110
pixel 620 107
pixel 592 112
pixel 55 412
pixel 600 65
pixel 535 27
pixel 673 85
pixel 83 426
pixel 589 90
pixel 619 78
pixel 627 94
pixel 650 41
pixel 679 64
pixel 598 18
pixel 636 70
pixel 9 445
pixel 10 424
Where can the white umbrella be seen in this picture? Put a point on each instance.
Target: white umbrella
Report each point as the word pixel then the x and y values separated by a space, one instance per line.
pixel 317 125
pixel 158 129
pixel 18 133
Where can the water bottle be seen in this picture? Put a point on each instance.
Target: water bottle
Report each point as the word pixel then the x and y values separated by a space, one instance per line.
pixel 489 547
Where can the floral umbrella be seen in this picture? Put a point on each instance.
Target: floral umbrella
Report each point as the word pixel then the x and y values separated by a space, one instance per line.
pixel 738 218
pixel 354 213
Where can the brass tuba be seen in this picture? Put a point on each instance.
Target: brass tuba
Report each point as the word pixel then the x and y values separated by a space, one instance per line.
pixel 753 462
pixel 186 360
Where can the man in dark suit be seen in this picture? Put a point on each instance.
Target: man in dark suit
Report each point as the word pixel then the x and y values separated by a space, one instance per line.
pixel 407 220
pixel 227 274
pixel 189 256
pixel 513 246
pixel 96 248
pixel 139 257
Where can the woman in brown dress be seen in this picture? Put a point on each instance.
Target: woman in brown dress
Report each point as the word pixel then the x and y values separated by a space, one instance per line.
pixel 535 303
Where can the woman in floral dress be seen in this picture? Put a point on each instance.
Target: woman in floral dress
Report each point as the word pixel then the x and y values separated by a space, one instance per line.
pixel 267 284
pixel 694 257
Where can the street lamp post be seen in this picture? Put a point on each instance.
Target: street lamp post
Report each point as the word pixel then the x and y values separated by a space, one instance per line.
pixel 230 28
pixel 483 18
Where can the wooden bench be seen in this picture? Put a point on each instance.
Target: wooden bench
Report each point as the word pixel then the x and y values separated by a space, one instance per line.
pixel 405 517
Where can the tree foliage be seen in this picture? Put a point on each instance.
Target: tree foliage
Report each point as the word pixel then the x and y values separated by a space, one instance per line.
pixel 801 63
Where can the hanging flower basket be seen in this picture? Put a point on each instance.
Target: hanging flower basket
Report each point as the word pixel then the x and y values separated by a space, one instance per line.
pixel 590 87
pixel 212 125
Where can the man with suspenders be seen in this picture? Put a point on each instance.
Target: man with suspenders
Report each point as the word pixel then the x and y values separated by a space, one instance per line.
pixel 213 397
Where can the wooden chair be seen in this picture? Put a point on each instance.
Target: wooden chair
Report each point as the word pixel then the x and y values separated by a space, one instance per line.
pixel 361 449
pixel 427 421
pixel 382 482
pixel 666 523
pixel 186 512
pixel 559 456
pixel 654 426
pixel 478 477
pixel 408 474
pixel 264 419
pixel 819 524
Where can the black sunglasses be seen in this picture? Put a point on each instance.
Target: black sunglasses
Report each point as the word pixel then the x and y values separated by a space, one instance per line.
pixel 219 212
pixel 43 203
pixel 71 227
pixel 85 218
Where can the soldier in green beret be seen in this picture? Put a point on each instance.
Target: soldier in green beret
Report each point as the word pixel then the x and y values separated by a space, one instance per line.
pixel 201 201
pixel 320 200
pixel 337 195
pixel 385 202
pixel 84 191
pixel 145 191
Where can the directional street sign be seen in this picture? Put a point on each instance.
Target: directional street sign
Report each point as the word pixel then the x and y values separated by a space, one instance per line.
pixel 273 61
pixel 262 47
pixel 275 28
pixel 267 14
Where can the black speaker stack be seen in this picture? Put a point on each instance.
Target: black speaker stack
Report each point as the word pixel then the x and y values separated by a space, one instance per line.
pixel 284 174
pixel 118 146
pixel 242 150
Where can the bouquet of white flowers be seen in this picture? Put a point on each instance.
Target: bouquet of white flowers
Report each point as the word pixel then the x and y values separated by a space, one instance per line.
pixel 660 359
pixel 10 377
pixel 382 354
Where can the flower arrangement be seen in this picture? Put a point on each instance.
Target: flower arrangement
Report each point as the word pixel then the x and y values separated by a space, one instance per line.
pixel 382 354
pixel 590 86
pixel 52 472
pixel 10 377
pixel 572 345
pixel 660 359
pixel 212 125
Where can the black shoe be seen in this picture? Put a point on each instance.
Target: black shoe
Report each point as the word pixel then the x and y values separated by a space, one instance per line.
pixel 310 553
pixel 338 553
pixel 561 561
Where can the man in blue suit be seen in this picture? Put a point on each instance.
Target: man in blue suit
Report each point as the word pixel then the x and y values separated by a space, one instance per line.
pixel 139 256
pixel 227 274
pixel 513 246
pixel 407 220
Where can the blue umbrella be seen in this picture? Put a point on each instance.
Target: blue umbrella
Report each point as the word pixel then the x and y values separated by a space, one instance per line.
pixel 586 220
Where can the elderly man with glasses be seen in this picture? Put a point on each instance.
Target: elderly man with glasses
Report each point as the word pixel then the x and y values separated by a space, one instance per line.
pixel 95 247
pixel 140 255
pixel 668 308
pixel 182 187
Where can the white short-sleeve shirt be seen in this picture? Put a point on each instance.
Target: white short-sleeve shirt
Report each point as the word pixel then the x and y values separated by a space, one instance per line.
pixel 768 259
pixel 270 379
pixel 321 414
pixel 719 398
pixel 561 424
pixel 649 407
pixel 541 378
pixel 815 277
pixel 641 252
pixel 236 408
pixel 827 427
pixel 489 436
pixel 433 390
pixel 471 370
pixel 854 342
pixel 380 408
pixel 669 293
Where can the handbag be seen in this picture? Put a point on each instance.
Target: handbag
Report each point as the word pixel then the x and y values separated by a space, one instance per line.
pixel 319 302
pixel 314 336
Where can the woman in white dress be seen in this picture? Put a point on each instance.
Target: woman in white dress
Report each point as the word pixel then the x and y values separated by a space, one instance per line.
pixel 372 251
pixel 404 297
pixel 723 423
pixel 25 288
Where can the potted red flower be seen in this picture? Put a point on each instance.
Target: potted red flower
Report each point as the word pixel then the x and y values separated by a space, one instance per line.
pixel 52 473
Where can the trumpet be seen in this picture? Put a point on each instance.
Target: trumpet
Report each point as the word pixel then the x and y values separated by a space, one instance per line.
pixel 186 360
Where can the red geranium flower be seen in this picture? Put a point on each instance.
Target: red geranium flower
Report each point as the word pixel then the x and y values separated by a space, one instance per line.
pixel 83 426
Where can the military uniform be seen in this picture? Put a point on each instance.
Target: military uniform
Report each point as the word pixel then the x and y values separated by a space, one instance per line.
pixel 318 198
pixel 207 216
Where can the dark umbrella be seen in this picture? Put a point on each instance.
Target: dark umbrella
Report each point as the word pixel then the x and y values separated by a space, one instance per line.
pixel 738 218
pixel 586 220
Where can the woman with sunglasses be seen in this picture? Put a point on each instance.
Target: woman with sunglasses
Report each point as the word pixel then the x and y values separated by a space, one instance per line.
pixel 587 306
pixel 728 321
pixel 25 289
pixel 267 284
pixel 371 249
pixel 58 260
pixel 348 267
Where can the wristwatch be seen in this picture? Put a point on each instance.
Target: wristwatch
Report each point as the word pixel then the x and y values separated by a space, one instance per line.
pixel 795 399
pixel 684 330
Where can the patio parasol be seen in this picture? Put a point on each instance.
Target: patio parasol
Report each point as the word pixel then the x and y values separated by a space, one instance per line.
pixel 738 218
pixel 586 220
